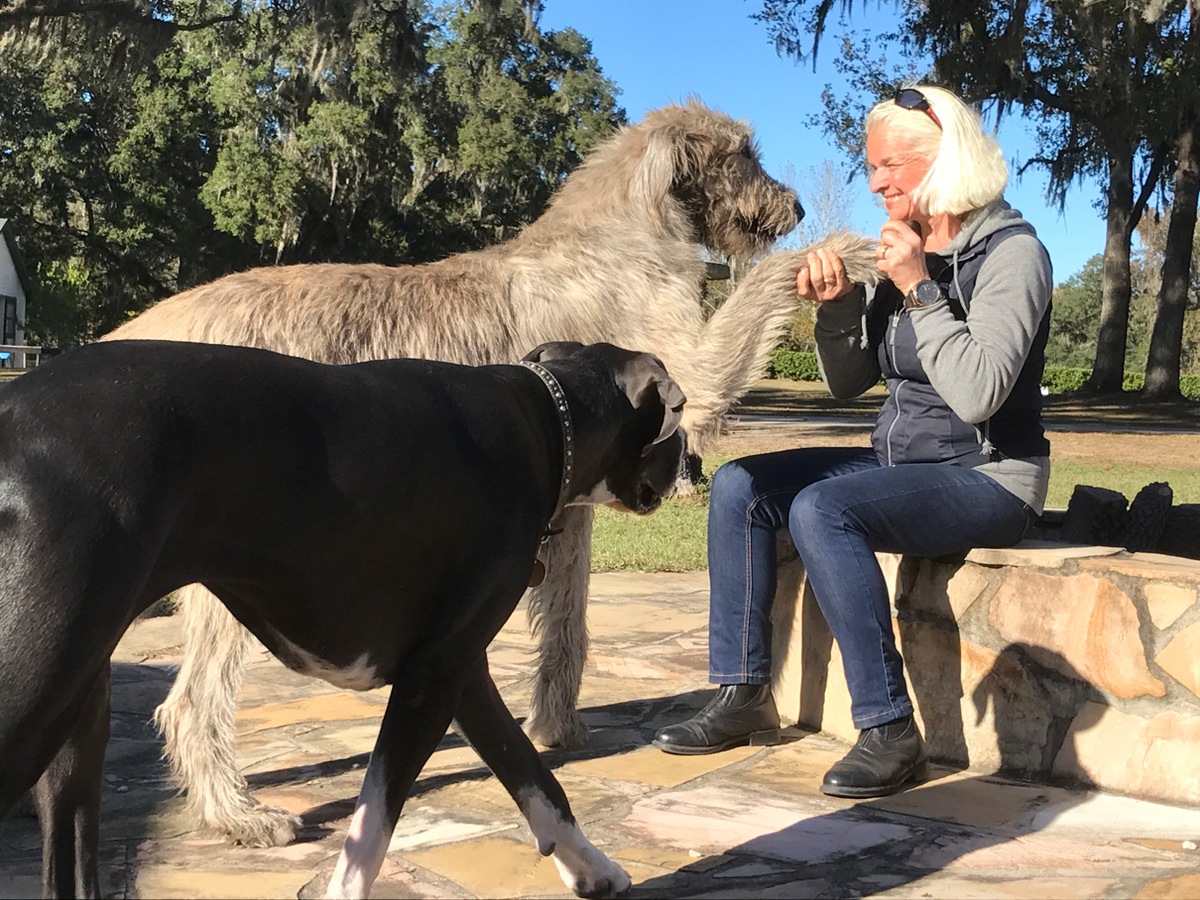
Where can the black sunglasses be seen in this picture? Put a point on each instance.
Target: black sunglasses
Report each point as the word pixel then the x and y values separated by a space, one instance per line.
pixel 911 98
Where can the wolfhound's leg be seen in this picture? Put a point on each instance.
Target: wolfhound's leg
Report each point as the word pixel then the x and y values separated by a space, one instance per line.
pixel 558 616
pixel 197 721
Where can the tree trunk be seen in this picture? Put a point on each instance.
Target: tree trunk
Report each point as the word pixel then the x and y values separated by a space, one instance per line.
pixel 1166 340
pixel 1108 370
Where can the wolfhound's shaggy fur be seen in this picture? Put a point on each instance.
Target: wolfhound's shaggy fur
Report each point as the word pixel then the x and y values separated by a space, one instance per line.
pixel 616 257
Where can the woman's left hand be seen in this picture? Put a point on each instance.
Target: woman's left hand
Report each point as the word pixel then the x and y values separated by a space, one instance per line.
pixel 900 255
pixel 823 278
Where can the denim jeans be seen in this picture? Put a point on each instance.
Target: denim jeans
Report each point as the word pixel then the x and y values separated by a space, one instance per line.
pixel 840 507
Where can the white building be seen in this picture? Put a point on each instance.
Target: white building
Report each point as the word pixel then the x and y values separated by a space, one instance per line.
pixel 15 288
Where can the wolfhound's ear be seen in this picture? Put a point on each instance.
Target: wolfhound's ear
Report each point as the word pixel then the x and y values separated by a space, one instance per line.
pixel 552 350
pixel 657 168
pixel 648 382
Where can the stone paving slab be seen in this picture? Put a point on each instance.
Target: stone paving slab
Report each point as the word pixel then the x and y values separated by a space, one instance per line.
pixel 747 822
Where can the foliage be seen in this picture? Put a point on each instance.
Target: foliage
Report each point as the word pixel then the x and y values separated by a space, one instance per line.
pixel 798 365
pixel 1060 379
pixel 1110 87
pixel 278 132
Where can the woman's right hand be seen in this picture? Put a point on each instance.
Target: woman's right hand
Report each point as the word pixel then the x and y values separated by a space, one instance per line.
pixel 823 278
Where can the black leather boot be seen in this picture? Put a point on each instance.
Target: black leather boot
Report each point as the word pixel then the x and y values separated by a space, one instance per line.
pixel 884 760
pixel 738 714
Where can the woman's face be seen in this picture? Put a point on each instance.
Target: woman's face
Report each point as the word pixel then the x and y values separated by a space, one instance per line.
pixel 895 169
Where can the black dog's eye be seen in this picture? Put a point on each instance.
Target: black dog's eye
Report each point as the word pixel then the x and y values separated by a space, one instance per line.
pixel 747 151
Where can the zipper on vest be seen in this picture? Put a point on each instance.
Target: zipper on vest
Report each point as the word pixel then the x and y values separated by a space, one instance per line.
pixel 903 381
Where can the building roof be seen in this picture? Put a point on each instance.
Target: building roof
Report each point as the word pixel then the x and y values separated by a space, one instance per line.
pixel 10 239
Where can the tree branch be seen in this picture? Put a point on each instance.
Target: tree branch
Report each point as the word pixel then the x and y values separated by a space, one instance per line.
pixel 20 13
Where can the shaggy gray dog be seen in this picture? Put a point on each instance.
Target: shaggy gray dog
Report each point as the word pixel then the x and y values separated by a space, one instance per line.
pixel 616 257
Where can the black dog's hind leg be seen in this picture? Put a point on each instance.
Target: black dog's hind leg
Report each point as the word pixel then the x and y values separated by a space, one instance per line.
pixel 68 800
pixel 494 733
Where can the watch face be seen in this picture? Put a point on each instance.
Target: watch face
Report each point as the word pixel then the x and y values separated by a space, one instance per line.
pixel 928 291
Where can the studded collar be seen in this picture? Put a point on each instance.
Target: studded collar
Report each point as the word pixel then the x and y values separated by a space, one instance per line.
pixel 568 431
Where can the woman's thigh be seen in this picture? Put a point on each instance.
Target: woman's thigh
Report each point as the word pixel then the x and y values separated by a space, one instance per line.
pixel 920 509
pixel 761 488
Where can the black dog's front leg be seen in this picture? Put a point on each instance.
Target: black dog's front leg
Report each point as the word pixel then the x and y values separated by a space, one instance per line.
pixel 499 740
pixel 68 800
pixel 411 728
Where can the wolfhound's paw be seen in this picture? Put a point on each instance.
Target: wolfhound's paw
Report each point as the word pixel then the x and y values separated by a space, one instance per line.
pixel 566 733
pixel 260 826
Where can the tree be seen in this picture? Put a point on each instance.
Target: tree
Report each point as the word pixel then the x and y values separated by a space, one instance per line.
pixel 825 192
pixel 1101 80
pixel 1074 316
pixel 1148 272
pixel 1166 342
pixel 276 131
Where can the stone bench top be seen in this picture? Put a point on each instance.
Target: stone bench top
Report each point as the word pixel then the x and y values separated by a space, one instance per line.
pixel 1044 554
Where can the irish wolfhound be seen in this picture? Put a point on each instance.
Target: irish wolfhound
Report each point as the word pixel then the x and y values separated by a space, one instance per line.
pixel 616 257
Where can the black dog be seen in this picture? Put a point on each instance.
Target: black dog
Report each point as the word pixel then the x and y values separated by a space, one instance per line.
pixel 371 524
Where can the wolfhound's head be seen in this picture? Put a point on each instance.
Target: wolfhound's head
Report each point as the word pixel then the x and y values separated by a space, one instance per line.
pixel 705 164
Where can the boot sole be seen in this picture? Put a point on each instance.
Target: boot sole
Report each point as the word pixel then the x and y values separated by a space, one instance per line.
pixel 767 738
pixel 918 775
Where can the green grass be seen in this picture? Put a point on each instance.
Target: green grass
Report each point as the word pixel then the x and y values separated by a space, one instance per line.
pixel 670 540
pixel 673 539
pixel 1128 480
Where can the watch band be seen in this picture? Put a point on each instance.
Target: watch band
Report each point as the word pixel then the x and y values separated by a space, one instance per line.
pixel 925 292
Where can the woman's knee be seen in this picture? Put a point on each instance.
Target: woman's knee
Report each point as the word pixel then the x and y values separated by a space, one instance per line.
pixel 818 506
pixel 732 489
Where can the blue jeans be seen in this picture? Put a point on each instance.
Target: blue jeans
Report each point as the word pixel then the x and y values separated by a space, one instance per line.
pixel 840 507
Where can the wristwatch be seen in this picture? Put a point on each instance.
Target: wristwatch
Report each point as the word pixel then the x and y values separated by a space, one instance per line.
pixel 925 293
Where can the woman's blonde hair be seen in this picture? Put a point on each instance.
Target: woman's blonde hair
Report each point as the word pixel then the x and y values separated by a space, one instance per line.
pixel 967 170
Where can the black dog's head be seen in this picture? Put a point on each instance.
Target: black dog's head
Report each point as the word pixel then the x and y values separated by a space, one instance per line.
pixel 625 411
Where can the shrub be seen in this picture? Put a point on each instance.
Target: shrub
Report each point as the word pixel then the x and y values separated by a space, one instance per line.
pixel 798 365
pixel 1063 379
pixel 1066 379
pixel 801 365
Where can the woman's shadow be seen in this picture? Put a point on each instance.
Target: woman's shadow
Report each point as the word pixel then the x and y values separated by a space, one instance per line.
pixel 970 806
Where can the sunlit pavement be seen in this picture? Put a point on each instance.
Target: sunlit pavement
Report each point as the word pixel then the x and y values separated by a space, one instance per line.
pixel 746 822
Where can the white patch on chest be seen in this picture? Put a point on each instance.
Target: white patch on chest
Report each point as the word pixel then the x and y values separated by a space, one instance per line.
pixel 358 676
pixel 599 494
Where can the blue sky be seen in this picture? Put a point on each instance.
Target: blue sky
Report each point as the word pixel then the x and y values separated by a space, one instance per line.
pixel 660 51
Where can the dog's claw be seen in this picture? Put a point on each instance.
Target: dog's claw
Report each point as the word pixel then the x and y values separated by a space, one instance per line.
pixel 261 826
pixel 568 734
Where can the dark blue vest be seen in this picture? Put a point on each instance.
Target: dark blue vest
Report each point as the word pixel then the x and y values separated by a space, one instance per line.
pixel 915 424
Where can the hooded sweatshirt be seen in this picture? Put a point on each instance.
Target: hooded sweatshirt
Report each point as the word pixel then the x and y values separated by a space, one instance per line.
pixel 964 373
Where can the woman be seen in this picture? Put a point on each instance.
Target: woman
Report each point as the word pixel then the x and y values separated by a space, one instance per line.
pixel 958 460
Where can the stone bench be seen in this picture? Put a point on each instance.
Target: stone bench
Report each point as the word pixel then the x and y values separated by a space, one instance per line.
pixel 1047 661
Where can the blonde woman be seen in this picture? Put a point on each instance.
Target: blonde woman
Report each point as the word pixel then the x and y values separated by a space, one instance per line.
pixel 958 458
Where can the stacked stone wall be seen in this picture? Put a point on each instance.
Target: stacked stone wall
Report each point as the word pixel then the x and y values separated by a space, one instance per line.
pixel 1052 662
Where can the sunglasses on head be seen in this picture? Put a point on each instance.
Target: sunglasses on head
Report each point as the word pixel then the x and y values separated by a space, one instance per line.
pixel 911 98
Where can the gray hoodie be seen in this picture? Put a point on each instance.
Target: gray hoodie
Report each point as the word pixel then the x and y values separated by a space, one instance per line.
pixel 964 373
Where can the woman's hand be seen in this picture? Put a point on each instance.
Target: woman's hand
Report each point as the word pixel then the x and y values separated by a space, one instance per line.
pixel 901 255
pixel 824 278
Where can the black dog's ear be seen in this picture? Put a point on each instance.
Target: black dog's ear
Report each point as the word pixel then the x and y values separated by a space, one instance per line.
pixel 552 350
pixel 648 376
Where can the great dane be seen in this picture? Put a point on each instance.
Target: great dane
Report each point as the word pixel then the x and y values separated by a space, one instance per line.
pixel 371 524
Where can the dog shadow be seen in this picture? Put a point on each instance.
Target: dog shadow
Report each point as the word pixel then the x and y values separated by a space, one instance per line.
pixel 616 728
